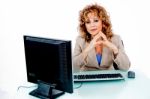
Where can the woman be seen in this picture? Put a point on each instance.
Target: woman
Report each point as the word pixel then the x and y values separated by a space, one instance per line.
pixel 97 47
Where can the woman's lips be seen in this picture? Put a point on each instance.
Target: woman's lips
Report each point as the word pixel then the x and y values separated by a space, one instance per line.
pixel 93 29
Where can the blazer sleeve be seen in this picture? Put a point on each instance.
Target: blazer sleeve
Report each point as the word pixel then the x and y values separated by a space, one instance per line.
pixel 78 60
pixel 121 59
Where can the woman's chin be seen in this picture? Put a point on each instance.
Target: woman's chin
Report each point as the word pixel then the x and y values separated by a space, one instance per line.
pixel 94 34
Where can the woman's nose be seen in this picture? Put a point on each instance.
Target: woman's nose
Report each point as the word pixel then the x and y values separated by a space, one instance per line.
pixel 92 24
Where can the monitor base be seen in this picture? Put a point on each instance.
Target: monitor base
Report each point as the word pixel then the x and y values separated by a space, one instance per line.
pixel 46 91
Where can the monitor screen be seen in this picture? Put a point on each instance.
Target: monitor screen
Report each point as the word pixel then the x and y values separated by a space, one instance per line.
pixel 48 64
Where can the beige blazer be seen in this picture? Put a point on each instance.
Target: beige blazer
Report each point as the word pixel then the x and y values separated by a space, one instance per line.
pixel 90 63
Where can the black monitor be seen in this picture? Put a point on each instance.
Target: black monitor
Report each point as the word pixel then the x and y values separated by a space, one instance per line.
pixel 49 64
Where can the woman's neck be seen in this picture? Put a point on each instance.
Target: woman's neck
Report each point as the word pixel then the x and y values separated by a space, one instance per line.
pixel 99 49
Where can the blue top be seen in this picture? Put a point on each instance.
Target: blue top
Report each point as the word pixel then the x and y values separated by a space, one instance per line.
pixel 99 58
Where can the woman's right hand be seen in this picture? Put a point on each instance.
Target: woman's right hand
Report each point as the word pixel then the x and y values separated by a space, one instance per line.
pixel 91 45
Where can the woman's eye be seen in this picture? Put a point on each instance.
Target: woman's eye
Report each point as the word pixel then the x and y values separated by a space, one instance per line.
pixel 87 22
pixel 96 20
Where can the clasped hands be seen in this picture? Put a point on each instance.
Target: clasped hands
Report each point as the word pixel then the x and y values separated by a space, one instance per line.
pixel 100 39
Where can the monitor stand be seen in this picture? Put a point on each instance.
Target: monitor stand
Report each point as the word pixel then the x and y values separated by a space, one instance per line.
pixel 46 91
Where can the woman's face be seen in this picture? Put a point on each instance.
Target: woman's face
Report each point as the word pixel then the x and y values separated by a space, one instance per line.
pixel 93 24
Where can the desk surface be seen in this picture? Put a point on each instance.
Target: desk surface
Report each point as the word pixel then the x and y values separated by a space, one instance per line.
pixel 137 88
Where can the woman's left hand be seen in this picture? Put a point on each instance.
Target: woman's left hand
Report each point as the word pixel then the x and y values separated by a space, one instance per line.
pixel 102 40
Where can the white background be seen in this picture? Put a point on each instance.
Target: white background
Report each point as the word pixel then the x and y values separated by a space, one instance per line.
pixel 59 19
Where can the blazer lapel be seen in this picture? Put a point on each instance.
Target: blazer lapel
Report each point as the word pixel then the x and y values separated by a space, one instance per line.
pixel 93 58
pixel 106 56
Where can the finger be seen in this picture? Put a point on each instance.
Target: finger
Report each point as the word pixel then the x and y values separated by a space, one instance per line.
pixel 103 36
pixel 99 43
pixel 97 37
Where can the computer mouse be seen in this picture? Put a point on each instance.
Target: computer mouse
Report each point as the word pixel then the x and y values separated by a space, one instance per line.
pixel 131 74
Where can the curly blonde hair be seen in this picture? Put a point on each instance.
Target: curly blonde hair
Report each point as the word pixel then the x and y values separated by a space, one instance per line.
pixel 102 14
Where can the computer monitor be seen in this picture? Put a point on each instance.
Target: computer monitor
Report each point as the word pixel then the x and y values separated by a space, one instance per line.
pixel 48 64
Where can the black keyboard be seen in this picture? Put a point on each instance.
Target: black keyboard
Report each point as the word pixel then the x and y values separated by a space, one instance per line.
pixel 96 77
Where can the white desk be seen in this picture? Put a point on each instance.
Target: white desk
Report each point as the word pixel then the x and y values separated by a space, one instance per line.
pixel 138 88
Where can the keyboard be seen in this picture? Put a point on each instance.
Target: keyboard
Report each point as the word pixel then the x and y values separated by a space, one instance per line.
pixel 97 76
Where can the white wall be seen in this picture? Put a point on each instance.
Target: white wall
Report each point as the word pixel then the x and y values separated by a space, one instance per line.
pixel 59 19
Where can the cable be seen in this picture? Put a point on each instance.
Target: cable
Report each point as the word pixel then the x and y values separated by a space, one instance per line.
pixel 78 86
pixel 25 87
